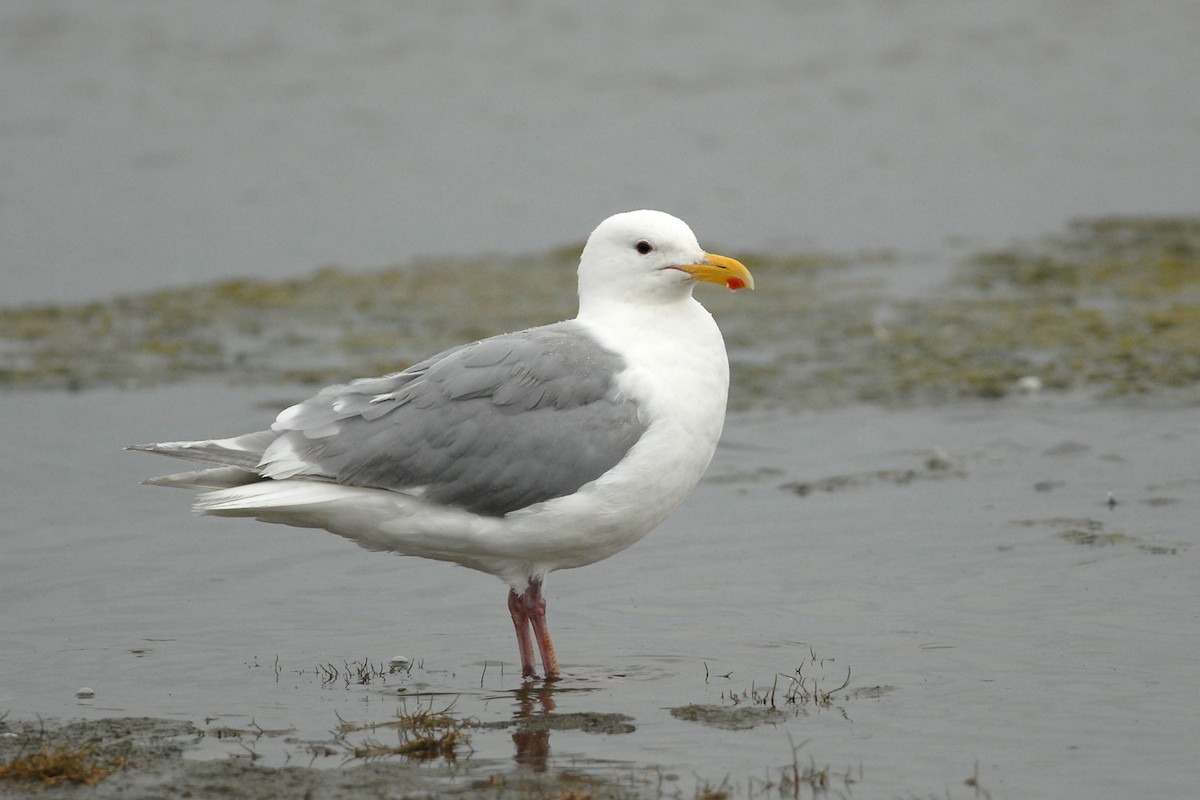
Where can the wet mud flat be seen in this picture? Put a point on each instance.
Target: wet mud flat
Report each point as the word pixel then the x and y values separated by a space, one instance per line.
pixel 947 548
pixel 143 758
pixel 1108 306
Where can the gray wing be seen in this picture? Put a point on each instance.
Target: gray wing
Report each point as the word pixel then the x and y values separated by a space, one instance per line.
pixel 490 427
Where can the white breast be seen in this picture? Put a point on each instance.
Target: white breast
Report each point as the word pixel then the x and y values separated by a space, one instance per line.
pixel 681 392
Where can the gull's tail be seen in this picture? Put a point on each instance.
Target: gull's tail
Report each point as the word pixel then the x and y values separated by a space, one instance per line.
pixel 235 461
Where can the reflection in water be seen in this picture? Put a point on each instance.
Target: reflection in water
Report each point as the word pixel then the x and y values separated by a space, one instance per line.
pixel 533 741
pixel 536 715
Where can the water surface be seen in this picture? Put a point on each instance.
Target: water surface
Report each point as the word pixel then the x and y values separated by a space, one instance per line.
pixel 150 144
pixel 962 563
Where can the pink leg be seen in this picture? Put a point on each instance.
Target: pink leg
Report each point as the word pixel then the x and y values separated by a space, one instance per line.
pixel 541 632
pixel 521 622
pixel 528 610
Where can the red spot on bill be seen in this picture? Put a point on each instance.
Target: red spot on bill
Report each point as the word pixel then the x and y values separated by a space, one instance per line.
pixel 735 283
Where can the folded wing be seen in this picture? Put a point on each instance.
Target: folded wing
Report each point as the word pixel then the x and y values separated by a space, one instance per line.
pixel 490 427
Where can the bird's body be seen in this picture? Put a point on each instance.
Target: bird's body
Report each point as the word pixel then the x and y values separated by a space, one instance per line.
pixel 521 454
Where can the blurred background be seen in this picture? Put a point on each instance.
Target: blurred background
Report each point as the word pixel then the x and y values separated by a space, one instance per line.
pixel 146 144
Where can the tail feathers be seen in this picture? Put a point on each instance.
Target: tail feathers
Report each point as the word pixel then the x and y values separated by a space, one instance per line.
pixel 372 518
pixel 267 496
pixel 356 513
pixel 241 451
pixel 207 479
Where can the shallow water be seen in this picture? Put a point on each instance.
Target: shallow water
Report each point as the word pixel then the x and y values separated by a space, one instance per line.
pixel 994 611
pixel 165 144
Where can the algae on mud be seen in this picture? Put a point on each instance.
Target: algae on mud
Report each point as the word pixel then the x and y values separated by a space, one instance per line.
pixel 84 753
pixel 1111 306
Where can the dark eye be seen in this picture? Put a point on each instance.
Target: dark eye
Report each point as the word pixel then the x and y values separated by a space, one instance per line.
pixel 644 247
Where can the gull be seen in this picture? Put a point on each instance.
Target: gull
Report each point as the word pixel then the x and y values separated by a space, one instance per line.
pixel 517 455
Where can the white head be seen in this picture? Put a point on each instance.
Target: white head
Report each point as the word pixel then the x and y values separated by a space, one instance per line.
pixel 648 257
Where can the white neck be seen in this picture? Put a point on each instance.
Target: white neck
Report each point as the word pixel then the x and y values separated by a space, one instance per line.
pixel 675 346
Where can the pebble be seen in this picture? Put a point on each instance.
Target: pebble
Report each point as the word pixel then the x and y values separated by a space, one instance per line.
pixel 1030 384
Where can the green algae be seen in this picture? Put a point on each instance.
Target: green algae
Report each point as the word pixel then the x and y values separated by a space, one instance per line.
pixel 1091 532
pixel 1110 306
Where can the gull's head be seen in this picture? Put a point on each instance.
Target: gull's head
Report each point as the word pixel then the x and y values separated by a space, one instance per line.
pixel 650 257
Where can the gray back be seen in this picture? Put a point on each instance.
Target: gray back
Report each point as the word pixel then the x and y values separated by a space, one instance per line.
pixel 490 427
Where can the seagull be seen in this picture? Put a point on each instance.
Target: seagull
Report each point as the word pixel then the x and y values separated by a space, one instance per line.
pixel 517 455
